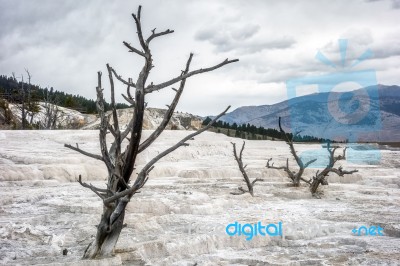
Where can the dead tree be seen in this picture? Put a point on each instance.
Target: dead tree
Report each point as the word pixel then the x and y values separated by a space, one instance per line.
pixel 27 106
pixel 120 161
pixel 242 169
pixel 28 103
pixel 32 104
pixel 320 177
pixel 294 176
pixel 22 100
pixel 52 112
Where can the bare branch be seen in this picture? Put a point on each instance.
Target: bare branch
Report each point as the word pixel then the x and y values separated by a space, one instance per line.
pixel 127 130
pixel 340 172
pixel 133 49
pixel 139 29
pixel 291 174
pixel 167 117
pixel 307 181
pixel 309 162
pixel 239 161
pixel 155 35
pixel 139 12
pixel 111 129
pixel 103 123
pixel 127 99
pixel 152 88
pixel 241 150
pixel 240 192
pixel 117 132
pixel 93 188
pixel 128 89
pixel 275 167
pixel 123 182
pixel 128 83
pixel 341 157
pixel 291 146
pixel 255 180
pixel 147 176
pixel 29 75
pixel 94 156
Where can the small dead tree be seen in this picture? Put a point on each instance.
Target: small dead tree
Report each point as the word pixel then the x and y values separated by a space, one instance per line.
pixel 242 168
pixel 27 106
pixel 320 177
pixel 294 176
pixel 120 162
pixel 22 100
pixel 52 112
pixel 32 107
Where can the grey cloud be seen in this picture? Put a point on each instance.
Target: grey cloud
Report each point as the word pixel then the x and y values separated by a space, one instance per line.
pixel 205 34
pixel 53 23
pixel 215 33
pixel 241 40
pixel 16 14
pixel 283 42
pixel 396 4
pixel 382 52
pixel 358 36
pixel 356 39
pixel 245 32
pixel 359 42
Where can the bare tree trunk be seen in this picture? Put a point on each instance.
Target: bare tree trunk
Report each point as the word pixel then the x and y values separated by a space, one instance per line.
pixel 121 163
pixel 314 185
pixel 106 237
pixel 23 111
pixel 29 102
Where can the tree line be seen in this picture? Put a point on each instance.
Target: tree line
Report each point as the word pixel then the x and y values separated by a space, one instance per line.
pixel 252 132
pixel 10 89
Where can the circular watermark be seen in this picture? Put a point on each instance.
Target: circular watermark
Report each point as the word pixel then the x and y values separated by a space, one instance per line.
pixel 347 103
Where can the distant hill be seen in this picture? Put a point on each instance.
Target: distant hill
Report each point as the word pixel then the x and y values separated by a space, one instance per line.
pixel 310 115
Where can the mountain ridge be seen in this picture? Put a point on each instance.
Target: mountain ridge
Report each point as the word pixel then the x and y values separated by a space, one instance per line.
pixel 310 114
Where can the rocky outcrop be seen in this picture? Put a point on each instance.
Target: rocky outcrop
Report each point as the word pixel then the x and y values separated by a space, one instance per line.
pixel 153 117
pixel 72 119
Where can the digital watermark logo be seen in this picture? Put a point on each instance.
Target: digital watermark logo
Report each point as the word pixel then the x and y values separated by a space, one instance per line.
pixel 343 115
pixel 368 231
pixel 282 230
pixel 251 230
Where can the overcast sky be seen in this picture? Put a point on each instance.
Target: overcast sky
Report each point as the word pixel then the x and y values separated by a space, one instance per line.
pixel 64 43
